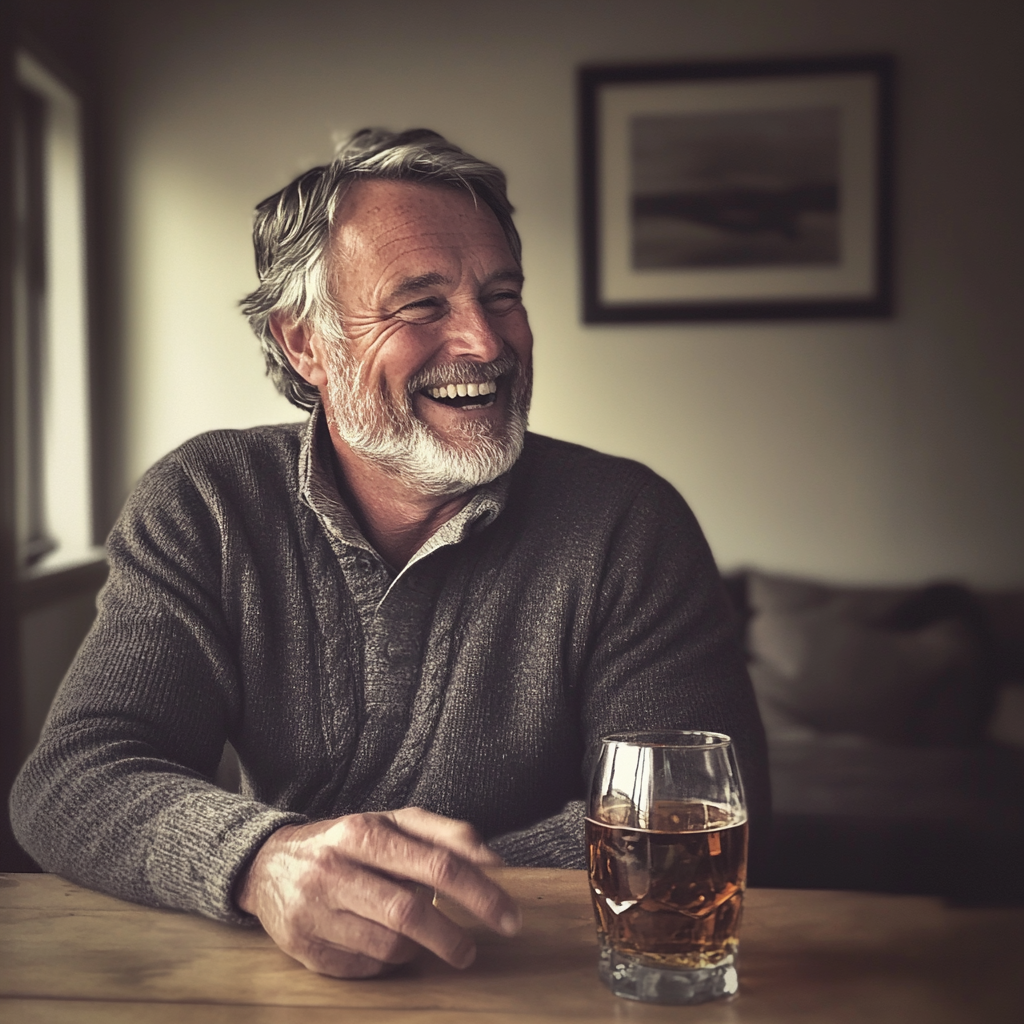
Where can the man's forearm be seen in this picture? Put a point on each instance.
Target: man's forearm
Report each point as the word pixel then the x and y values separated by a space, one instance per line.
pixel 555 842
pixel 160 837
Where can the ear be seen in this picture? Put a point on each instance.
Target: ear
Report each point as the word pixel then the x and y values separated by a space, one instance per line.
pixel 301 346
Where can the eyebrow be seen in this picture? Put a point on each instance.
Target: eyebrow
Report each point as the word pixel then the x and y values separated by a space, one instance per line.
pixel 515 276
pixel 411 285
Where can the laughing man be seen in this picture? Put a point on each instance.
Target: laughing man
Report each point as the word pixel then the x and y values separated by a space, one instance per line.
pixel 411 618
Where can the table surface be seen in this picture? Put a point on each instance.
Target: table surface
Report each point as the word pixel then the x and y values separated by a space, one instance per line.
pixel 68 954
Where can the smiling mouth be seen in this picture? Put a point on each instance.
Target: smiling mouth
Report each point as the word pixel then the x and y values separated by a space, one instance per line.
pixel 463 396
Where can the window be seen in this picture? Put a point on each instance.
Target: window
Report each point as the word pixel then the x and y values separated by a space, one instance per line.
pixel 52 430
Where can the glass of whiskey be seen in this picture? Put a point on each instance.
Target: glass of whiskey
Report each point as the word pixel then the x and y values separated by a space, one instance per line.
pixel 667 860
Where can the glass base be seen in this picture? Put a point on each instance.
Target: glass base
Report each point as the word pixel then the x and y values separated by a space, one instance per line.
pixel 632 979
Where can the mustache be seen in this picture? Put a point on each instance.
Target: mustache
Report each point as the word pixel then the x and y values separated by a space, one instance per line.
pixel 463 372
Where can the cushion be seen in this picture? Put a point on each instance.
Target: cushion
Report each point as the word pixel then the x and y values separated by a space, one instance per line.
pixel 1007 725
pixel 1005 611
pixel 889 665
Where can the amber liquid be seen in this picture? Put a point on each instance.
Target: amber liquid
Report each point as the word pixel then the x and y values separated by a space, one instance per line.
pixel 670 895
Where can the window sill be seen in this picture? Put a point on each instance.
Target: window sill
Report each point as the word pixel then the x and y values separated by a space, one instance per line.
pixel 57 580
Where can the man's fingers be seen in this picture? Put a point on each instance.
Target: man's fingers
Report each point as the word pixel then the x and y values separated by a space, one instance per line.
pixel 459 836
pixel 378 841
pixel 384 917
pixel 349 932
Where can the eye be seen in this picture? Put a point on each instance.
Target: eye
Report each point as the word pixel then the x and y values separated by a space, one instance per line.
pixel 422 311
pixel 503 301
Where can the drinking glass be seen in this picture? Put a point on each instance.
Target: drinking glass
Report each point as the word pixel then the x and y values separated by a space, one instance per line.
pixel 667 859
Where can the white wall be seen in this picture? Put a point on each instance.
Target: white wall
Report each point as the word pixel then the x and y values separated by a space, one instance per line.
pixel 880 450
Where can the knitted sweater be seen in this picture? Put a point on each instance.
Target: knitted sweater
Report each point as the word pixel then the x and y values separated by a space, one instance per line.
pixel 573 598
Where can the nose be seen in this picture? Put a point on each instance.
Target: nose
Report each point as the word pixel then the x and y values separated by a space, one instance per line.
pixel 470 335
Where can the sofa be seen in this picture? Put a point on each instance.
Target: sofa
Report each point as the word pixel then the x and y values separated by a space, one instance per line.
pixel 895 723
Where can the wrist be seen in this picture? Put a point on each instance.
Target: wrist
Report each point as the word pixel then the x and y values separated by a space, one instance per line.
pixel 250 883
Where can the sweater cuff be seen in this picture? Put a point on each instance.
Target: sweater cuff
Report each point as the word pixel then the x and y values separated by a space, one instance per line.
pixel 208 856
pixel 555 842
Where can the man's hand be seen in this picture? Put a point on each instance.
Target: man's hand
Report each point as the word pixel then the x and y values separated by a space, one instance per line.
pixel 346 897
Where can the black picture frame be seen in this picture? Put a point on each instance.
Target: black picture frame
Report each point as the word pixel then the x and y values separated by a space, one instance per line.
pixel 782 171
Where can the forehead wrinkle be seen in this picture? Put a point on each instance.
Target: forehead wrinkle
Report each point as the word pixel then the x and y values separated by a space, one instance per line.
pixel 360 210
pixel 406 229
pixel 415 247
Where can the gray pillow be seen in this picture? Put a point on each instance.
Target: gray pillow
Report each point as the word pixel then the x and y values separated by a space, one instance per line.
pixel 846 662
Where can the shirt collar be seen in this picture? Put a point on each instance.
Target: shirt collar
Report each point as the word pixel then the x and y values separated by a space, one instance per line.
pixel 319 491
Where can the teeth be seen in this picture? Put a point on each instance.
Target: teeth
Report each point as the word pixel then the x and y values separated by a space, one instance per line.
pixel 464 390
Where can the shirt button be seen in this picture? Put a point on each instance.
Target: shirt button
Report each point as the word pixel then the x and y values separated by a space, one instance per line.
pixel 363 563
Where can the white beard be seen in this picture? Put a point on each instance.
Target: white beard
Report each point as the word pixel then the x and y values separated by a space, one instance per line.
pixel 390 435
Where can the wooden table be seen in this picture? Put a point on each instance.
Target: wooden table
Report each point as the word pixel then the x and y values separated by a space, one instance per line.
pixel 67 954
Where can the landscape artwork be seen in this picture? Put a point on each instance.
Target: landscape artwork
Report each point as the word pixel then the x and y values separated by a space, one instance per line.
pixel 736 189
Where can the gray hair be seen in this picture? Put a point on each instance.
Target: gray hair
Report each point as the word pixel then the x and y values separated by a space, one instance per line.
pixel 292 231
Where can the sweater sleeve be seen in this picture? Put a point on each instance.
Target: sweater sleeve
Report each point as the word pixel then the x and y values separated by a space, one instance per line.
pixel 118 795
pixel 662 652
pixel 555 842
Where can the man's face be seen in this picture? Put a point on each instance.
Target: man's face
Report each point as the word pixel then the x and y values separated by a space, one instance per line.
pixel 430 304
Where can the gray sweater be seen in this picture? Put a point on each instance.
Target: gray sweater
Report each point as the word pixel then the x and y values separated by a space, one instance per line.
pixel 572 598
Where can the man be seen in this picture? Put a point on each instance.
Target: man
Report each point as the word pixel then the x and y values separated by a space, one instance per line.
pixel 406 612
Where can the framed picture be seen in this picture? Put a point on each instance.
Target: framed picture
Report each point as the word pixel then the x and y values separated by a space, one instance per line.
pixel 740 190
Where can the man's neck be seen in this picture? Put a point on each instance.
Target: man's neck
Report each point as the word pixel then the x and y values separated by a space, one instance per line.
pixel 395 519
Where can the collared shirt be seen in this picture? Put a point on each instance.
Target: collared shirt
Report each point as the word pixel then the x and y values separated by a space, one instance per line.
pixel 394 607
